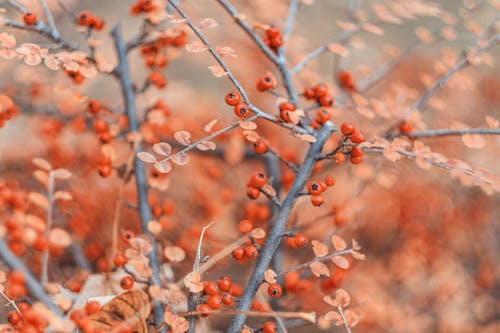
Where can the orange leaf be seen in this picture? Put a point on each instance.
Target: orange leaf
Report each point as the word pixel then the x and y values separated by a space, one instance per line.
pixel 270 276
pixel 42 164
pixel 146 157
pixel 319 268
pixel 192 281
pixel 341 262
pixel 183 137
pixel 320 249
pixel 342 297
pixel 338 243
pixel 162 148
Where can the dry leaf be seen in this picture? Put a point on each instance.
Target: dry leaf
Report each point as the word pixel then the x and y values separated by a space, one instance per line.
pixel 154 227
pixel 270 276
pixel 492 122
pixel 335 317
pixel 176 323
pixel 174 253
pixel 338 243
pixel 355 245
pixel 146 157
pixel 473 141
pixel 208 127
pixel 41 176
pixel 183 137
pixel 180 159
pixel 63 195
pixel 217 71
pixel 42 164
pixel 196 47
pixel 339 49
pixel 258 233
pixel 131 308
pixel 163 166
pixel 62 173
pixel 247 125
pixel 329 300
pixel 162 148
pixel 319 268
pixel 206 145
pixel 208 23
pixel 193 283
pixel 306 137
pixel 39 200
pixel 342 297
pixel 341 262
pixel 358 255
pixel 320 249
pixel 269 190
pixel 60 237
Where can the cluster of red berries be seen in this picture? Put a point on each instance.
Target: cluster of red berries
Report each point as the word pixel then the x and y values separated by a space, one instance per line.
pixel 142 6
pixel 86 19
pixel 256 181
pixel 297 241
pixel 320 93
pixel 219 293
pixel 266 82
pixel 101 127
pixel 356 136
pixel 285 109
pixel 346 81
pixel 321 117
pixel 15 287
pixel 316 187
pixel 242 253
pixel 7 109
pixel 26 320
pixel 154 53
pixel 30 18
pixel 81 320
pixel 157 79
pixel 240 108
pixel 274 39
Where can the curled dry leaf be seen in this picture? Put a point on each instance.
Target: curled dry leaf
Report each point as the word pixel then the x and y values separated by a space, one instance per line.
pixel 351 318
pixel 206 145
pixel 208 23
pixel 492 122
pixel 371 28
pixel 39 200
pixel 146 157
pixel 258 233
pixel 251 136
pixel 320 249
pixel 174 253
pixel 319 268
pixel 269 190
pixel 176 323
pixel 355 245
pixel 60 237
pixel 183 137
pixel 473 141
pixel 193 283
pixel 329 300
pixel 63 195
pixel 217 71
pixel 154 227
pixel 62 173
pixel 339 49
pixel 132 308
pixel 342 297
pixel 180 159
pixel 42 164
pixel 196 47
pixel 208 127
pixel 306 137
pixel 270 276
pixel 163 166
pixel 338 243
pixel 162 148
pixel 225 51
pixel 141 244
pixel 341 262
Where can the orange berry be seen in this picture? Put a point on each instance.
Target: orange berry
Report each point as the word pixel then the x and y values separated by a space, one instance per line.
pixel 258 179
pixel 204 309
pixel 356 160
pixel 232 98
pixel 251 252
pixel 274 290
pixel 405 127
pixel 13 317
pixel 269 327
pixel 238 253
pixel 214 302
pixel 242 110
pixel 326 101
pixel 29 18
pixel 126 282
pixel 127 235
pixel 317 200
pixel 245 226
pixel 266 82
pixel 309 93
pixel 16 277
pixel 314 187
pixel 211 288
pixel 253 192
pixel 120 260
pixel 85 18
pixel 330 181
pixel 93 106
pixel 227 299
pixel 224 283
pixel 357 136
pixel 356 152
pixel 260 147
pixel 347 128
pixel 157 79
pixel 300 241
pixel 320 90
pixel 92 307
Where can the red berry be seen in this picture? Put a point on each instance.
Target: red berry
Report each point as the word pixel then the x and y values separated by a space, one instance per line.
pixel 93 106
pixel 405 127
pixel 320 90
pixel 260 147
pixel 211 288
pixel 127 235
pixel 269 327
pixel 314 187
pixel 326 101
pixel 214 302
pixel 317 200
pixel 301 241
pixel 238 253
pixel 274 290
pixel 120 260
pixel 13 317
pixel 251 252
pixel 258 179
pixel 227 299
pixel 330 181
pixel 309 93
pixel 356 160
pixel 357 136
pixel 126 282
pixel 29 18
pixel 253 193
pixel 356 152
pixel 245 226
pixel 266 82
pixel 242 110
pixel 232 98
pixel 347 128
pixel 204 309
pixel 224 283
pixel 92 307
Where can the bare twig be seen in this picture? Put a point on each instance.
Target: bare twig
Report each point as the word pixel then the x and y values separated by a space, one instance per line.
pixel 50 19
pixel 317 259
pixel 139 168
pixel 45 255
pixel 278 227
pixel 292 12
pixel 346 324
pixel 447 132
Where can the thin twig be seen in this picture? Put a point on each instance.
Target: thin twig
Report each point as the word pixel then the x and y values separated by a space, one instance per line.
pixel 317 259
pixel 346 325
pixel 278 227
pixel 447 132
pixel 198 250
pixel 45 256
pixel 32 283
pixel 292 12
pixel 50 19
pixel 139 168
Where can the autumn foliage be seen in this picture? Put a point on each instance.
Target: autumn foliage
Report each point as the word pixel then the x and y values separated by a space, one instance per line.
pixel 249 166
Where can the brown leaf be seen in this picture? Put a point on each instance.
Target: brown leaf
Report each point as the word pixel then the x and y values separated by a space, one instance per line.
pixel 319 268
pixel 320 249
pixel 258 233
pixel 60 237
pixel 162 148
pixel 218 71
pixel 192 281
pixel 306 137
pixel 206 145
pixel 270 276
pixel 351 318
pixel 355 245
pixel 208 127
pixel 131 308
pixel 358 255
pixel 334 316
pixel 341 262
pixel 473 141
pixel 196 47
pixel 247 125
pixel 177 324
pixel 183 137
pixel 208 23
pixel 146 157
pixel 41 176
pixel 338 243
pixel 269 190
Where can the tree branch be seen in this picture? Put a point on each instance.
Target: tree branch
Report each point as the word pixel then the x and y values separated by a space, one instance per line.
pixel 139 168
pixel 447 132
pixel 278 227
pixel 50 19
